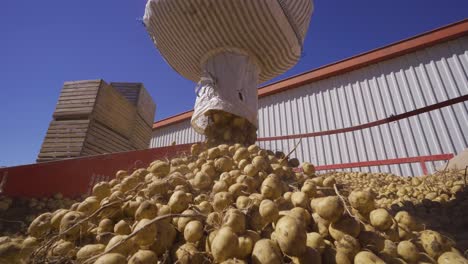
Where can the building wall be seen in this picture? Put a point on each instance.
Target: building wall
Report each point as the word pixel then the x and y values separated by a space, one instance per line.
pixel 422 78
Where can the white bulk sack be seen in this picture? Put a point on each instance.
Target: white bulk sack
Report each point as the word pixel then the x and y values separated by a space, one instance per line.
pixel 229 83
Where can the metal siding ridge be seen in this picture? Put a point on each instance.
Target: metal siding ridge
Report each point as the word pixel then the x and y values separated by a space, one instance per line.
pixel 374 123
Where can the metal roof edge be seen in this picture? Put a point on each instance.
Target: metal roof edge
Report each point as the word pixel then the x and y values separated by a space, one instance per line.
pixel 390 51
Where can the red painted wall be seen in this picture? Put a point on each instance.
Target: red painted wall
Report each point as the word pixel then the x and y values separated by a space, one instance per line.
pixel 73 177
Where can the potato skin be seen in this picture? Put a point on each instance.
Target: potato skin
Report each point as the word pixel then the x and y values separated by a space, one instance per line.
pixel 346 225
pixel 434 243
pixel 451 258
pixel 366 257
pixel 90 251
pixel 408 251
pixel 225 244
pixel 310 256
pixel 268 210
pixel 330 208
pixel 143 257
pixel 291 236
pixel 111 258
pixel 266 251
pixel 381 219
pixel 363 201
pixel 41 225
pixel 193 231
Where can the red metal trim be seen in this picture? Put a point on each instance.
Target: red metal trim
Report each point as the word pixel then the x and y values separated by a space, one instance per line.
pixel 375 123
pixel 424 167
pixel 420 159
pixel 393 50
pixel 173 119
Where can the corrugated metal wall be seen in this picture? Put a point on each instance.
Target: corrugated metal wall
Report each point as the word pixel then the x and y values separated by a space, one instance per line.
pixel 376 92
pixel 181 133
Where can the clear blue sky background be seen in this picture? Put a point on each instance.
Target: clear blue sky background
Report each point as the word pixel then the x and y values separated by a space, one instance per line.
pixel 46 42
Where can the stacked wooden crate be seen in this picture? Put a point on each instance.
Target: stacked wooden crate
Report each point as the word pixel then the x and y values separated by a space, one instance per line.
pixel 93 117
pixel 145 109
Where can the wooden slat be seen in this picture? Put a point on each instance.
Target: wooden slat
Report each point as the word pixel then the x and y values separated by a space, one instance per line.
pixel 63 141
pixel 137 94
pixel 67 130
pixel 75 104
pixel 70 126
pixel 130 91
pixel 146 106
pixel 59 154
pixel 114 138
pixel 77 93
pixel 95 148
pixel 77 101
pixel 89 152
pixel 80 85
pixel 113 110
pixel 64 144
pixel 53 139
pixel 105 142
pixel 77 97
pixel 141 135
pixel 46 149
pixel 70 122
pixel 80 89
pixel 81 82
pixel 74 109
pixel 101 145
pixel 64 137
pixel 61 135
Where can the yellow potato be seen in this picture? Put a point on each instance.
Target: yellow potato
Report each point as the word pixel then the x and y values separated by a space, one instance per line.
pixel 291 236
pixel 111 258
pixel 266 252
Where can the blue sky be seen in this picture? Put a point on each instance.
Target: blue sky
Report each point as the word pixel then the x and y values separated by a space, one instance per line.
pixel 44 43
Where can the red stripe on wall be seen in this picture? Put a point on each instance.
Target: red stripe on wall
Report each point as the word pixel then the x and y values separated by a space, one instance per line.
pixel 420 159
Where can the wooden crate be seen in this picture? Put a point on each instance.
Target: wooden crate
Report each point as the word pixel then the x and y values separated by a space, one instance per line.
pixel 64 139
pixel 138 96
pixel 113 110
pixel 102 139
pixel 141 135
pixel 93 117
pixel 77 99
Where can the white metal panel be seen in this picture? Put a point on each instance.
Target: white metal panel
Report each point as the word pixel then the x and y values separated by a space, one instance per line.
pixel 375 92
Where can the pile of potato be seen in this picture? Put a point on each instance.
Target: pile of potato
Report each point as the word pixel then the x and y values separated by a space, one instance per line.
pixel 439 201
pixel 17 213
pixel 234 204
pixel 226 128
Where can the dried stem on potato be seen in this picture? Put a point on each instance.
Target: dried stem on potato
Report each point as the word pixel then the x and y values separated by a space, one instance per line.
pixel 345 205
